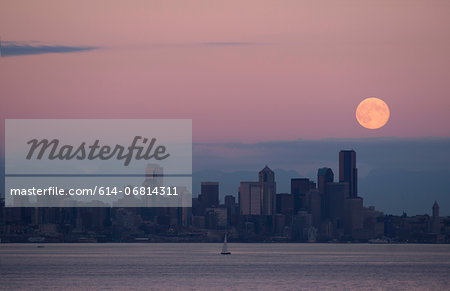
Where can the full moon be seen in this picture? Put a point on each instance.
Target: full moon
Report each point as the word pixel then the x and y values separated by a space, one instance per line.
pixel 372 113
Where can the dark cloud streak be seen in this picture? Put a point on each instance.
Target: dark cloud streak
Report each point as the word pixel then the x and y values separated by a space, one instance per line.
pixel 229 43
pixel 11 49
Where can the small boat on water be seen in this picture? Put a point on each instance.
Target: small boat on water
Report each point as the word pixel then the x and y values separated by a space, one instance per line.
pixel 225 247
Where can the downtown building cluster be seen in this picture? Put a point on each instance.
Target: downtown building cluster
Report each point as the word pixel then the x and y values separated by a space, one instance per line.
pixel 322 211
pixel 328 210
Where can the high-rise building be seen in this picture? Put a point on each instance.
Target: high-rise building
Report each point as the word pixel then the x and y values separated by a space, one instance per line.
pixel 259 198
pixel 353 216
pixel 196 207
pixel 231 206
pixel 230 201
pixel 335 203
pixel 268 191
pixel 250 198
pixel 324 176
pixel 436 221
pixel 299 189
pixel 154 177
pixel 209 194
pixel 300 185
pixel 315 206
pixel 285 203
pixel 348 172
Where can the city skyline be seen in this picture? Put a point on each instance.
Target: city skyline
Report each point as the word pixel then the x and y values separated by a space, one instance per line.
pixel 325 175
pixel 412 172
pixel 323 210
pixel 400 171
pixel 328 210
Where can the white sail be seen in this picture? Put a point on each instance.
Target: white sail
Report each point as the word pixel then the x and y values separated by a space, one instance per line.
pixel 225 247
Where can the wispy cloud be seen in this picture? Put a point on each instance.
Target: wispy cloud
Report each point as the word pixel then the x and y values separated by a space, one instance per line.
pixel 10 48
pixel 230 43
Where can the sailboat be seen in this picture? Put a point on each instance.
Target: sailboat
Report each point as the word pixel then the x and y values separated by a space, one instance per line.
pixel 225 247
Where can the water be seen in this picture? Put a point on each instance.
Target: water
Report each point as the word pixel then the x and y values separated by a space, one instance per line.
pixel 200 267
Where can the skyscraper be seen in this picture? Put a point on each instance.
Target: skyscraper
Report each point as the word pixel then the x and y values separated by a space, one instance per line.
pixel 154 177
pixel 299 189
pixel 250 198
pixel 231 206
pixel 210 194
pixel 285 203
pixel 324 176
pixel 348 172
pixel 268 191
pixel 259 198
pixel 300 185
pixel 436 221
pixel 353 216
pixel 230 201
pixel 314 206
pixel 334 201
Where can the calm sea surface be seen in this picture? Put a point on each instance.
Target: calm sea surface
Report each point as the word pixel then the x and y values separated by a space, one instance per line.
pixel 200 267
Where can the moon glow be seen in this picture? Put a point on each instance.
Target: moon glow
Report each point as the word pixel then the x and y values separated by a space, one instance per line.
pixel 372 113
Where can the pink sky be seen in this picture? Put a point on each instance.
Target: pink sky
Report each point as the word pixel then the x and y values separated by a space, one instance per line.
pixel 302 73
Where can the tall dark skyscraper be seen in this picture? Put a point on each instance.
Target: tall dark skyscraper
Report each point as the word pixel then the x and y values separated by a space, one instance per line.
pixel 435 219
pixel 210 194
pixel 285 203
pixel 324 176
pixel 299 188
pixel 300 185
pixel 335 203
pixel 348 172
pixel 268 191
